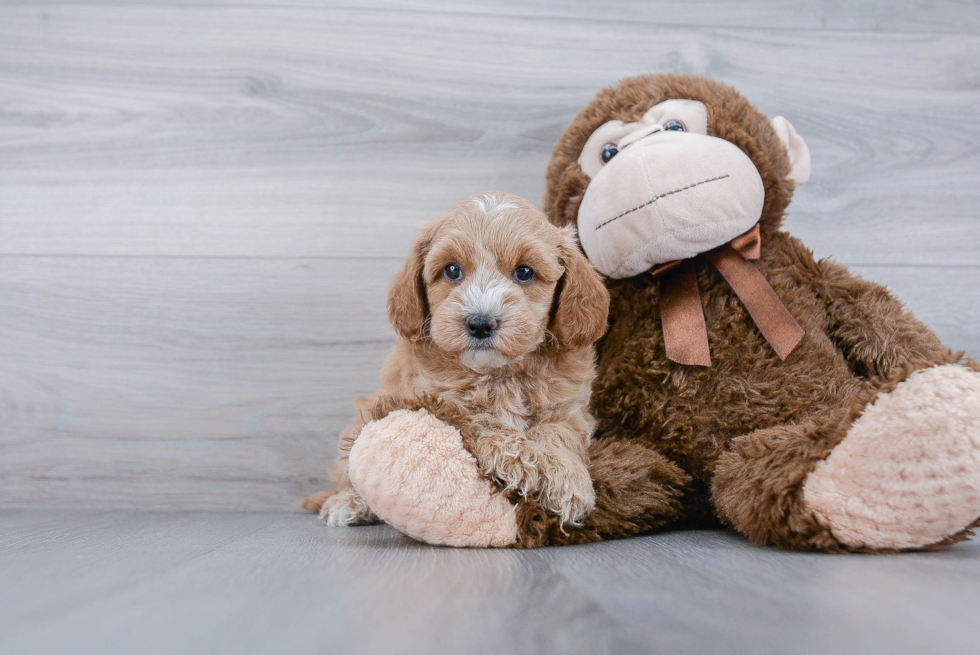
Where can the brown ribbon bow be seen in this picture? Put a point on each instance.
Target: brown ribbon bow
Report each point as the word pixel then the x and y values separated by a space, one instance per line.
pixel 685 334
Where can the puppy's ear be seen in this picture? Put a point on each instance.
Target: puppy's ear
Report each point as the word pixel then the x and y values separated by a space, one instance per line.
pixel 582 299
pixel 408 306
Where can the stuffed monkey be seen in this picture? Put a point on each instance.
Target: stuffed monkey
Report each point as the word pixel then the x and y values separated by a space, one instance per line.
pixel 741 381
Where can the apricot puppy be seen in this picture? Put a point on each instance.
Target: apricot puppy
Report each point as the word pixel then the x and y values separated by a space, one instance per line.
pixel 496 311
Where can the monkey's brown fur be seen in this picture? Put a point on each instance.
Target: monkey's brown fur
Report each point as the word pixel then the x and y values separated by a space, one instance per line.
pixel 733 442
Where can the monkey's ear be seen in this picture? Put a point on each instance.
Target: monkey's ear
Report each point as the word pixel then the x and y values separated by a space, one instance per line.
pixel 799 154
pixel 407 302
pixel 582 303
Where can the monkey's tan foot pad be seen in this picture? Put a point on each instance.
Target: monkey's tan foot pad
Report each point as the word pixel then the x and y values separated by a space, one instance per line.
pixel 414 473
pixel 907 474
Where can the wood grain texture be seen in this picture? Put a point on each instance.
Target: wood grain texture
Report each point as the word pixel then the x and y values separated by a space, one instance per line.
pixel 205 131
pixel 243 583
pixel 191 383
pixel 941 16
pixel 223 382
pixel 201 202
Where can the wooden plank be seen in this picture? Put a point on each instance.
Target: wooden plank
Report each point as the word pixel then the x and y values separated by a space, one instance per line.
pixel 144 130
pixel 101 553
pixel 189 383
pixel 945 16
pixel 169 382
pixel 202 306
pixel 715 592
pixel 259 434
pixel 291 584
pixel 237 582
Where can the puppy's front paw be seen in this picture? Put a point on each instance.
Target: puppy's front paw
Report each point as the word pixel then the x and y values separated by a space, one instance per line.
pixel 551 474
pixel 566 487
pixel 344 508
pixel 510 461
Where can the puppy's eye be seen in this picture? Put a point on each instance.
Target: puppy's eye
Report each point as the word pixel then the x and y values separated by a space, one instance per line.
pixel 453 273
pixel 675 126
pixel 608 152
pixel 523 274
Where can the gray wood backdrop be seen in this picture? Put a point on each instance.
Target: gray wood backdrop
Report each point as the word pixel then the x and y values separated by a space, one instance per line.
pixel 201 202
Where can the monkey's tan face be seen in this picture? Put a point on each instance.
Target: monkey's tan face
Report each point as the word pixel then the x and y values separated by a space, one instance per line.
pixel 662 189
pixel 490 276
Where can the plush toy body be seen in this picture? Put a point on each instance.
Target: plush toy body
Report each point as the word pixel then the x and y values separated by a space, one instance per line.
pixel 842 425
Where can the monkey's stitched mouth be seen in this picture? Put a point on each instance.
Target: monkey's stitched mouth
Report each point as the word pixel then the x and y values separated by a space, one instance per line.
pixel 656 198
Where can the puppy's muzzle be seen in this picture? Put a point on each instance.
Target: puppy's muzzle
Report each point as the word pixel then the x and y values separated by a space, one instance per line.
pixel 480 326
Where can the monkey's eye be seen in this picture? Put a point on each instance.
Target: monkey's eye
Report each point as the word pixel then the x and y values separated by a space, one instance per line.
pixel 608 152
pixel 453 272
pixel 523 274
pixel 675 126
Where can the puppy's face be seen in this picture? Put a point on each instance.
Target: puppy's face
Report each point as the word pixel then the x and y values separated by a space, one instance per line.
pixel 491 279
pixel 490 276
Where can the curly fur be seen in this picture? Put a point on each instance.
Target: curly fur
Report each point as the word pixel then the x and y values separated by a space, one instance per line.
pixel 521 398
pixel 734 442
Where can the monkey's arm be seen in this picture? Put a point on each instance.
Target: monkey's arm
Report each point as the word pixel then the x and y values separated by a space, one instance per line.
pixel 879 337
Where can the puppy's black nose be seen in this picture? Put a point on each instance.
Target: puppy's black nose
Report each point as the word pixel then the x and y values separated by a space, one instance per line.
pixel 481 326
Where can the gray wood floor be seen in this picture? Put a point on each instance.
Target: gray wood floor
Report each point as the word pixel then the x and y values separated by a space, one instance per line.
pixel 201 203
pixel 243 583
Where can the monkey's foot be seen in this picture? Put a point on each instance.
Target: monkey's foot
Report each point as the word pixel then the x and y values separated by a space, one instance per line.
pixel 414 473
pixel 907 475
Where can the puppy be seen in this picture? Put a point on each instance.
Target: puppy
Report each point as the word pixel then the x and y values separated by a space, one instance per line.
pixel 496 311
